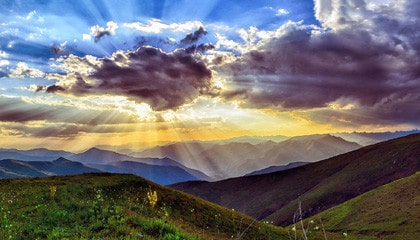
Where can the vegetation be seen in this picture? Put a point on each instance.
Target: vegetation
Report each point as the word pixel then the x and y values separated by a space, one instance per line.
pixel 388 212
pixel 116 206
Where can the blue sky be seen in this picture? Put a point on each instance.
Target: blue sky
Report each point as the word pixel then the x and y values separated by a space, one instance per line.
pixel 186 70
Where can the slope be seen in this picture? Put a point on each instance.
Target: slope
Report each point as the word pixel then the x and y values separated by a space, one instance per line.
pixel 318 186
pixel 388 212
pixel 115 206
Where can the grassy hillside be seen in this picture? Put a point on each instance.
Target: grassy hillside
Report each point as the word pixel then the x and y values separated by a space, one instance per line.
pixel 116 206
pixel 391 211
pixel 318 186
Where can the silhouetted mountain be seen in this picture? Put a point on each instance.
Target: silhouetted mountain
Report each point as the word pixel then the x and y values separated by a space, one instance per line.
pixel 160 174
pixel 38 154
pixel 10 168
pixel 317 186
pixel 222 161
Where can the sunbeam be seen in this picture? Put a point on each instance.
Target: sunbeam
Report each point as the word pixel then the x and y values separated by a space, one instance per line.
pixel 138 74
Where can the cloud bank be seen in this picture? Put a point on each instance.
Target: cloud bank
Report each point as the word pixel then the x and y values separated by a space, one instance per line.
pixel 147 75
pixel 364 62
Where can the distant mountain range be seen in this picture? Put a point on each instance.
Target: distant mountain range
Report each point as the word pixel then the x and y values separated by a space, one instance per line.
pixel 159 170
pixel 234 159
pixel 210 161
pixel 367 138
pixel 38 154
pixel 40 163
pixel 16 168
pixel 317 186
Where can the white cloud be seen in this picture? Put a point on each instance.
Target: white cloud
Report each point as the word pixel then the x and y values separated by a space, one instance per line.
pixel 3 54
pixel 22 70
pixel 4 62
pixel 156 26
pixel 28 17
pixel 111 27
pixel 86 37
pixel 282 12
pixel 98 32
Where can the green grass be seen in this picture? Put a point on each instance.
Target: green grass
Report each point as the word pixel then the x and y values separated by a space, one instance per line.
pixel 388 212
pixel 116 206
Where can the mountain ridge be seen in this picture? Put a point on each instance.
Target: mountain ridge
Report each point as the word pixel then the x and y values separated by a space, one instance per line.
pixel 317 186
pixel 11 168
pixel 222 161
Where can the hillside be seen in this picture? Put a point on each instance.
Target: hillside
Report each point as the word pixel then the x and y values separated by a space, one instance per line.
pixel 318 186
pixel 234 159
pixel 277 168
pixel 10 168
pixel 388 212
pixel 113 206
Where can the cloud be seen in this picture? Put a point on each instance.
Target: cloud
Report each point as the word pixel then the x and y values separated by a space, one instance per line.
pixel 156 26
pixel 282 12
pixel 22 70
pixel 21 111
pixel 193 37
pixel 367 54
pixel 100 32
pixel 201 48
pixel 162 80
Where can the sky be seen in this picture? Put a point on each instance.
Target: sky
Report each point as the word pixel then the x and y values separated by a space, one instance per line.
pixel 77 74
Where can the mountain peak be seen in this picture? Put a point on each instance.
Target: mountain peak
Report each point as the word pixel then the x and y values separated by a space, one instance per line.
pixel 61 160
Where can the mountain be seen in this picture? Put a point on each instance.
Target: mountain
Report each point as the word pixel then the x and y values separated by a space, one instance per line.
pixel 156 169
pixel 386 212
pixel 99 156
pixel 117 206
pixel 317 186
pixel 368 138
pixel 252 139
pixel 16 168
pixel 234 159
pixel 277 168
pixel 38 154
pixel 161 174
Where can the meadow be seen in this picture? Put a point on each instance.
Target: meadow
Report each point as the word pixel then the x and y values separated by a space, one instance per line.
pixel 116 206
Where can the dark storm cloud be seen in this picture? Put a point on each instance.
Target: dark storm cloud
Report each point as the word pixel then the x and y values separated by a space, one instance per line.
pixel 52 89
pixel 376 67
pixel 191 38
pixel 297 71
pixel 19 111
pixel 66 130
pixel 201 48
pixel 101 34
pixel 162 80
